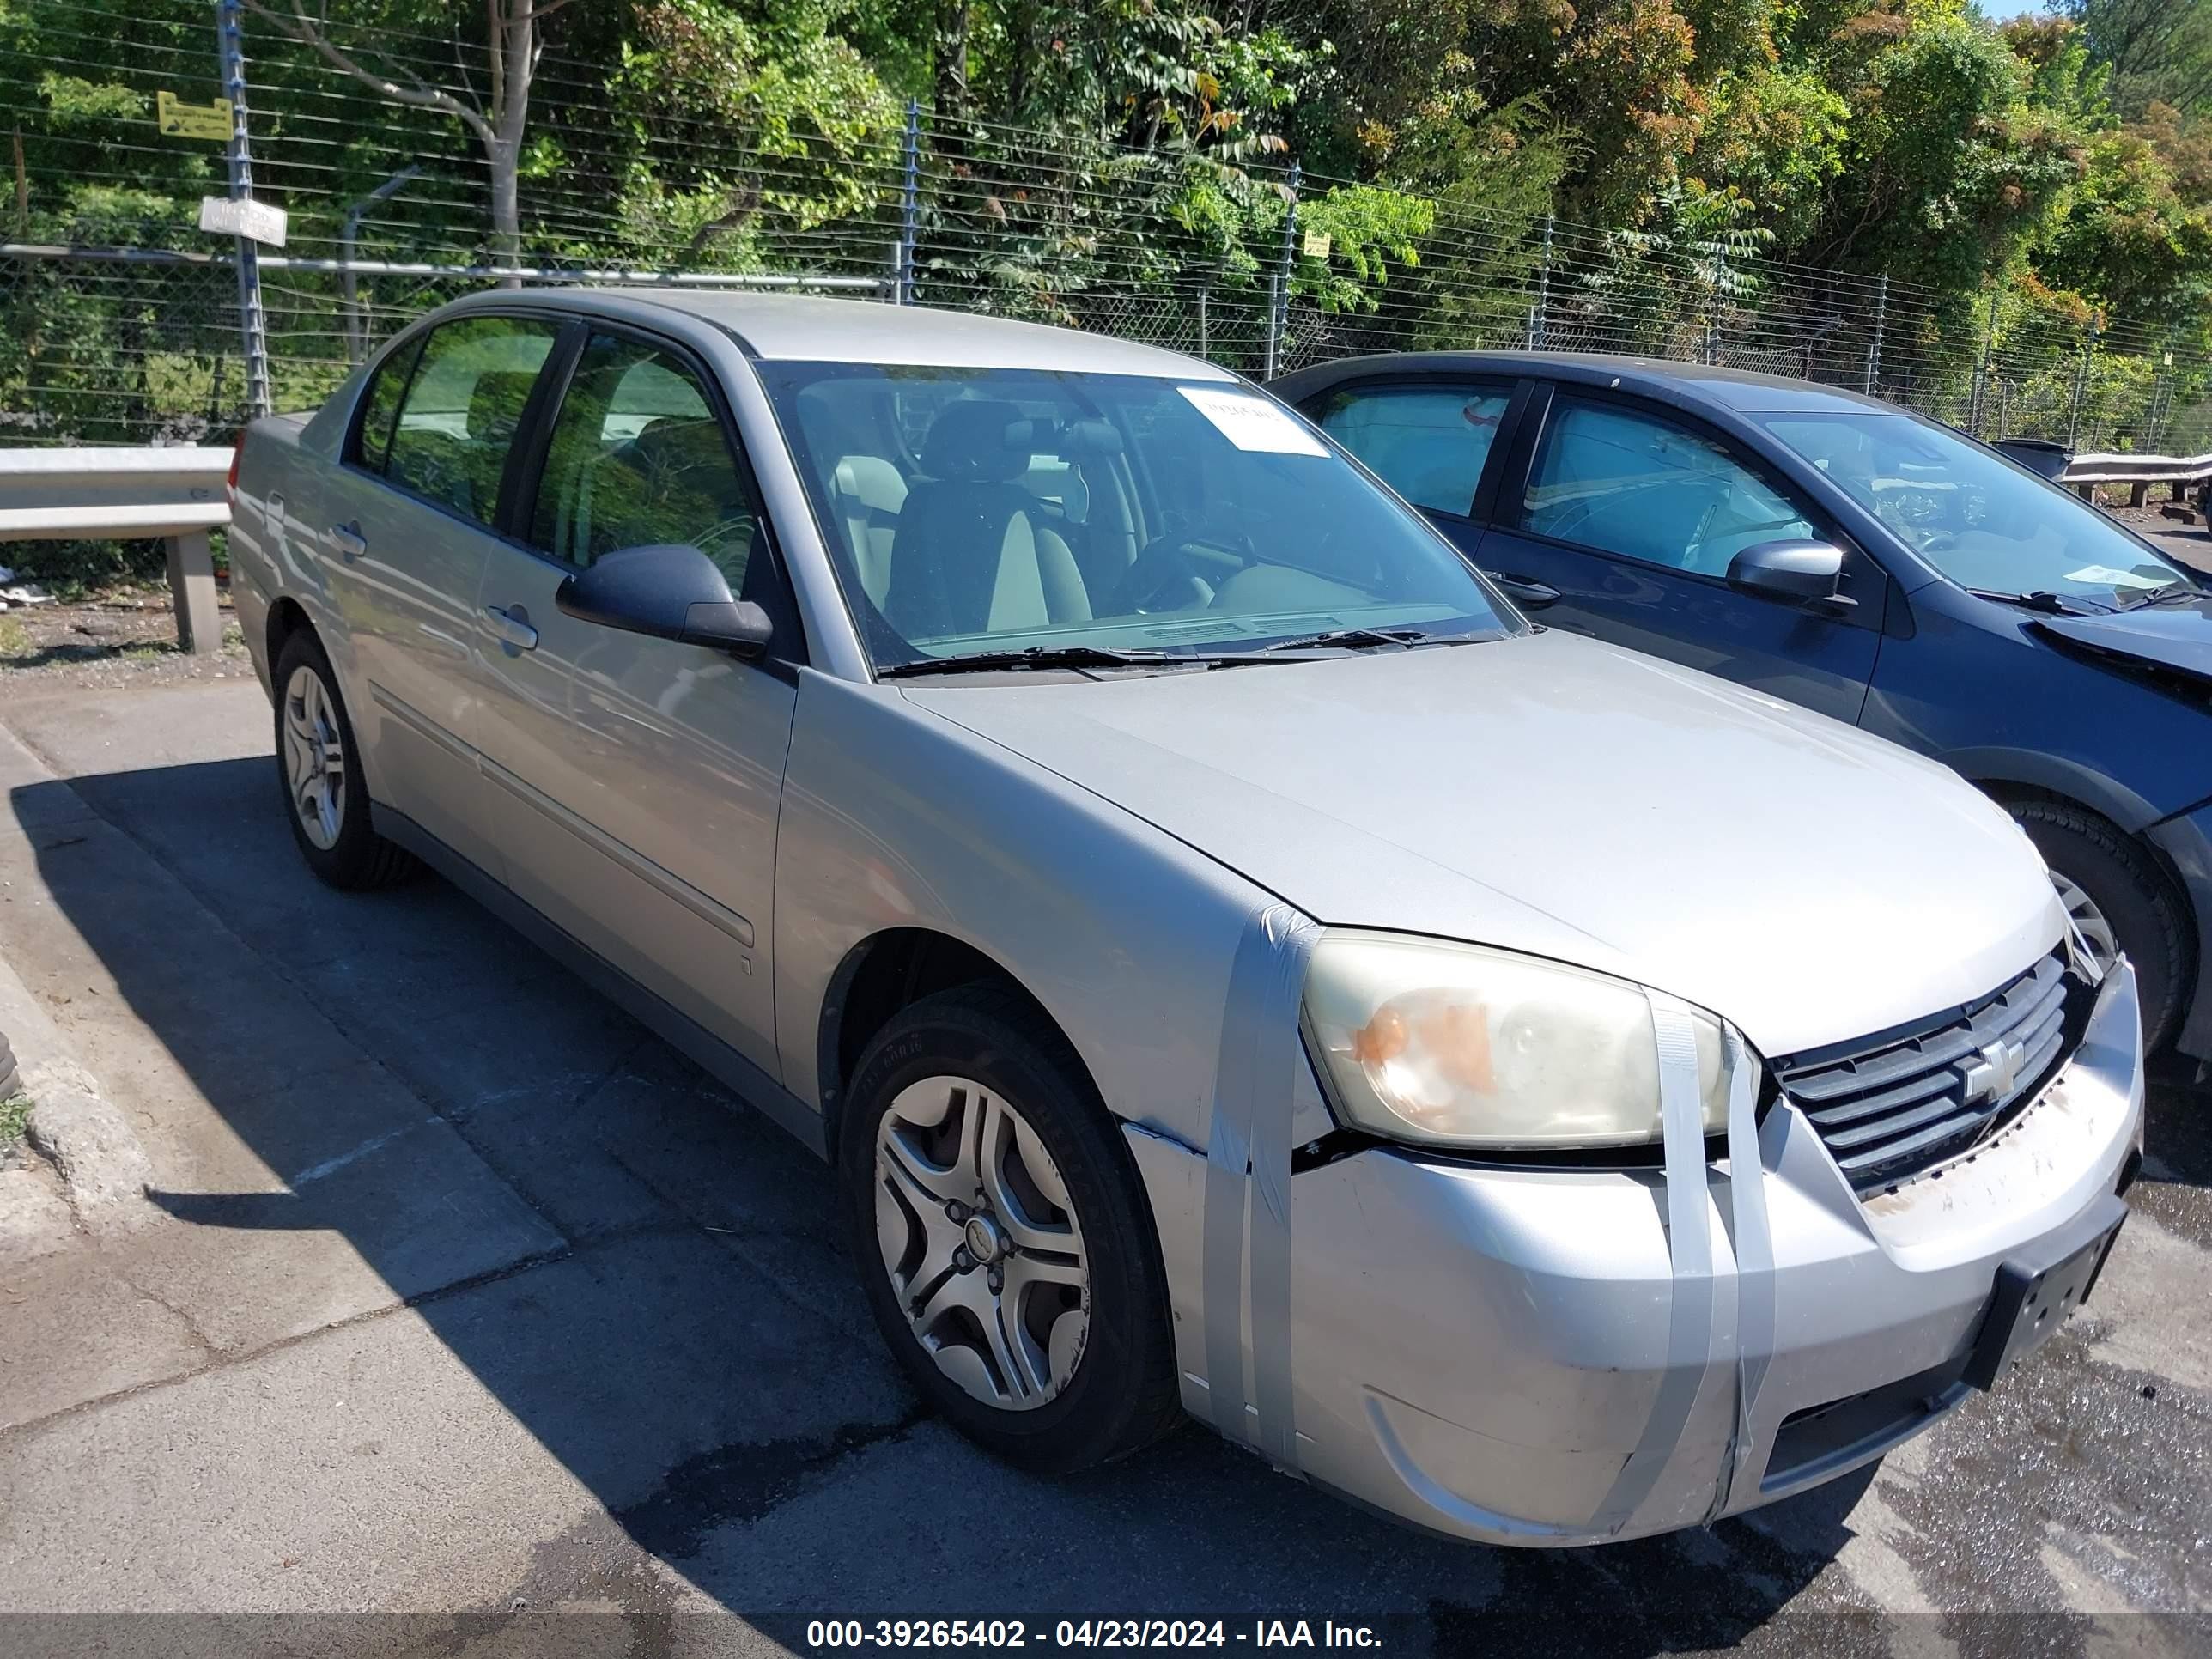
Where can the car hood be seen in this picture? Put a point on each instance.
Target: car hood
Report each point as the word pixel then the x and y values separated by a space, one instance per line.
pixel 2178 637
pixel 1550 794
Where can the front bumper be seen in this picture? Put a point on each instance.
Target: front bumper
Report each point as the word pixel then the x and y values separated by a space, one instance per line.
pixel 1483 1351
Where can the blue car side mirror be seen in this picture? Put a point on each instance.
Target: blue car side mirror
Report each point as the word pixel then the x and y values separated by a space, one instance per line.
pixel 1801 571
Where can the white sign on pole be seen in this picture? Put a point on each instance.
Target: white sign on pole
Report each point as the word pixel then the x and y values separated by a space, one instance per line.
pixel 243 217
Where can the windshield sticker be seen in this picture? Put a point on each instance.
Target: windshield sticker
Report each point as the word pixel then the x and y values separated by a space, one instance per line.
pixel 1251 423
pixel 2103 576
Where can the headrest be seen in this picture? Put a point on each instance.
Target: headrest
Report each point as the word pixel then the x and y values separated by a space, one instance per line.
pixel 496 401
pixel 678 442
pixel 977 441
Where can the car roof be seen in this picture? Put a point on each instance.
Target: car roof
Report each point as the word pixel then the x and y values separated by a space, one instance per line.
pixel 797 327
pixel 1742 390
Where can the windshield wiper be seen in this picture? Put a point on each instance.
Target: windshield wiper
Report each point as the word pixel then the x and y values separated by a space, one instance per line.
pixel 1035 656
pixel 2043 599
pixel 1097 656
pixel 2168 594
pixel 1365 639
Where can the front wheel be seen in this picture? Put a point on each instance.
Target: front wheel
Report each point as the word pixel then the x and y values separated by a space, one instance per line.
pixel 1004 1236
pixel 318 766
pixel 2120 903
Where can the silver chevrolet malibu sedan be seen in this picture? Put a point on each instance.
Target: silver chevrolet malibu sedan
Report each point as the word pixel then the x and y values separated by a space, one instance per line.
pixel 1233 962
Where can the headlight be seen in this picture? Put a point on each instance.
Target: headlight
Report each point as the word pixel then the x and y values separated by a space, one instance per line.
pixel 1458 1045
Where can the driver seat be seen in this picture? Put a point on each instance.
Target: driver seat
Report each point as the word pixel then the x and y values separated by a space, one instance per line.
pixel 975 552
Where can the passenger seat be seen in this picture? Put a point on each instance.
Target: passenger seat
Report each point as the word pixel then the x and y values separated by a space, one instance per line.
pixel 869 496
pixel 975 551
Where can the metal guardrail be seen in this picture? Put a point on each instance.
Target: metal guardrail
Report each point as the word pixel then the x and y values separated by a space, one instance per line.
pixel 2181 474
pixel 176 494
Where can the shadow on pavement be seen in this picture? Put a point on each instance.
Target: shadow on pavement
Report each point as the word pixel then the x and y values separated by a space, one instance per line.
pixel 647 1281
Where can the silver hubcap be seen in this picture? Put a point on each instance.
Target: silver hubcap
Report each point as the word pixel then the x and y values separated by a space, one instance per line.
pixel 2096 932
pixel 314 758
pixel 982 1246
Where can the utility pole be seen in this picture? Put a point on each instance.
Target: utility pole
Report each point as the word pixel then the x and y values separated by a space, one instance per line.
pixel 1279 308
pixel 253 326
pixel 902 284
pixel 1538 314
pixel 349 238
pixel 1982 369
pixel 1874 346
pixel 2081 385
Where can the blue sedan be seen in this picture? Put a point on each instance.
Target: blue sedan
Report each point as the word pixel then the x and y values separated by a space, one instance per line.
pixel 1859 559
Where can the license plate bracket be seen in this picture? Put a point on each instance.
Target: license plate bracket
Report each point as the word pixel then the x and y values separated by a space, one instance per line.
pixel 2037 1288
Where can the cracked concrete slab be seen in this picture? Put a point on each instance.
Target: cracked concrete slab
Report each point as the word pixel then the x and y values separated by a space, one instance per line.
pixel 416 1459
pixel 73 1328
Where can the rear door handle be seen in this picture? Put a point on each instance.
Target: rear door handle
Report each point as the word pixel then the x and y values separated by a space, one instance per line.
pixel 349 541
pixel 1529 595
pixel 511 630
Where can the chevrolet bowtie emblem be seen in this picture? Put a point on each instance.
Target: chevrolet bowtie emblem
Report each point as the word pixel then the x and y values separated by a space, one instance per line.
pixel 1996 1073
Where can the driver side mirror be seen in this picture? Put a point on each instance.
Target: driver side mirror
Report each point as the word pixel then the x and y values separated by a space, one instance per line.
pixel 670 593
pixel 1799 571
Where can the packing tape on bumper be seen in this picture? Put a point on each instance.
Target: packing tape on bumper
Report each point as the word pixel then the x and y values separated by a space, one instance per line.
pixel 1755 1260
pixel 1689 1253
pixel 1693 1346
pixel 1248 1184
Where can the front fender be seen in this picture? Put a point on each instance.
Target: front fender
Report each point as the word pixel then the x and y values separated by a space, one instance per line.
pixel 894 818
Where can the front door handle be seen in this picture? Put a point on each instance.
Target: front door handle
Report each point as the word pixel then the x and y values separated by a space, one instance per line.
pixel 349 541
pixel 511 630
pixel 1528 595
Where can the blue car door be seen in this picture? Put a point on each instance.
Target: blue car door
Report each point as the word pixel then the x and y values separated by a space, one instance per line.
pixel 1632 514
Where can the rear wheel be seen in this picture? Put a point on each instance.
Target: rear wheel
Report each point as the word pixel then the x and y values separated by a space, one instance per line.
pixel 2120 903
pixel 999 1224
pixel 318 766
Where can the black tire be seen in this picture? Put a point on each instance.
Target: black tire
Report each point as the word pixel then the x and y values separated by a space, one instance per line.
pixel 1122 1394
pixel 359 860
pixel 2146 917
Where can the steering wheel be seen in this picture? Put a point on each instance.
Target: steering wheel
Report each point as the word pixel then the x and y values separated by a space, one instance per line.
pixel 1165 577
pixel 1938 541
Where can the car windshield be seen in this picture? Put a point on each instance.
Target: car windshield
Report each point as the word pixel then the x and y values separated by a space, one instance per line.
pixel 1978 520
pixel 983 513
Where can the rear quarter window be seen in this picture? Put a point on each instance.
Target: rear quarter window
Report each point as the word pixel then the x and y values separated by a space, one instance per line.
pixel 380 405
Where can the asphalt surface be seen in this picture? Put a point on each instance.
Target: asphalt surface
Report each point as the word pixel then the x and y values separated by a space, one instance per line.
pixel 473 1320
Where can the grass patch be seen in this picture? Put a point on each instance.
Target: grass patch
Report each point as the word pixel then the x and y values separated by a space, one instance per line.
pixel 15 1117
pixel 14 638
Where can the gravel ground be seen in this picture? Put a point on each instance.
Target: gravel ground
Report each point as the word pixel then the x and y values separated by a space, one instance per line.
pixel 123 638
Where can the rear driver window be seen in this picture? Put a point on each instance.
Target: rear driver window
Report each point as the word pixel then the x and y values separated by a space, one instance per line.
pixel 463 408
pixel 1428 443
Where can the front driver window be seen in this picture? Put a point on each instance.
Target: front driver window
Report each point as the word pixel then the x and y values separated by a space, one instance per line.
pixel 1428 443
pixel 638 458
pixel 1627 482
pixel 463 408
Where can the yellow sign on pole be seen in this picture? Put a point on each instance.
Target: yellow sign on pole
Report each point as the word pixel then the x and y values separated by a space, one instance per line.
pixel 1317 244
pixel 191 120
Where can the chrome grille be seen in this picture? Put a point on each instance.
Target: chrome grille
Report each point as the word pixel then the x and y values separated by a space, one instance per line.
pixel 1891 1106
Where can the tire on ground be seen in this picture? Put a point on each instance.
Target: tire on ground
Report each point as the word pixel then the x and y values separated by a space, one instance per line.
pixel 1123 1392
pixel 360 860
pixel 2147 918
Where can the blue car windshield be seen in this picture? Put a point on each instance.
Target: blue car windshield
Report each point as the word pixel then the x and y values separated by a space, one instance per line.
pixel 1975 518
pixel 972 513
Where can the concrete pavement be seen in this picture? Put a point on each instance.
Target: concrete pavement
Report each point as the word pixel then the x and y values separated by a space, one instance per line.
pixel 466 1294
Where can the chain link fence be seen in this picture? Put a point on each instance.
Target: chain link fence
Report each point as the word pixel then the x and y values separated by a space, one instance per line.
pixel 121 323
